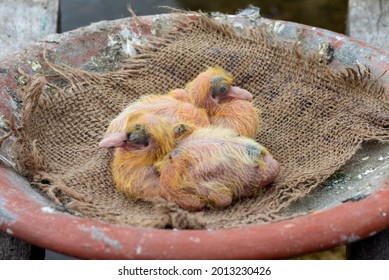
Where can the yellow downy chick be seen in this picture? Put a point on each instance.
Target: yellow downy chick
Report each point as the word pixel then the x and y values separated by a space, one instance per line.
pixel 226 105
pixel 146 139
pixel 214 166
pixel 175 106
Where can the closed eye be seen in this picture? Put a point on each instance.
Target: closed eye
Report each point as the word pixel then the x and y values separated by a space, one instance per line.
pixel 219 90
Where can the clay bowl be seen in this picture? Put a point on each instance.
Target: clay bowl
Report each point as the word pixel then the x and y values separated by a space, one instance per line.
pixel 338 212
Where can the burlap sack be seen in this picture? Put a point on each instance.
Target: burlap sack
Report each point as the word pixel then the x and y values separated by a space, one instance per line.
pixel 313 121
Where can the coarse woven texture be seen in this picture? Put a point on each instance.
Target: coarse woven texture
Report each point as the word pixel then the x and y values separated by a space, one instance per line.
pixel 313 121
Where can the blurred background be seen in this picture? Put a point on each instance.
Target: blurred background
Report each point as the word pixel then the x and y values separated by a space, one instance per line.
pixel 327 14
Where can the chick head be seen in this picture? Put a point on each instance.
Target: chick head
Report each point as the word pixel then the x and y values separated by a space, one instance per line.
pixel 144 133
pixel 213 87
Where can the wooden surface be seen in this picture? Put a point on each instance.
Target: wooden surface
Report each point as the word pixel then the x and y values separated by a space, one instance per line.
pixel 368 21
pixel 23 22
pixel 13 249
pixel 372 248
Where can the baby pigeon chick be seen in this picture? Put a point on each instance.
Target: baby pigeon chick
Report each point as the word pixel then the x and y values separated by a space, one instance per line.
pixel 146 138
pixel 226 105
pixel 213 166
pixel 175 106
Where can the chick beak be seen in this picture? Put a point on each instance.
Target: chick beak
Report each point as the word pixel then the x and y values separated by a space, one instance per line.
pixel 135 140
pixel 239 93
pixel 116 139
